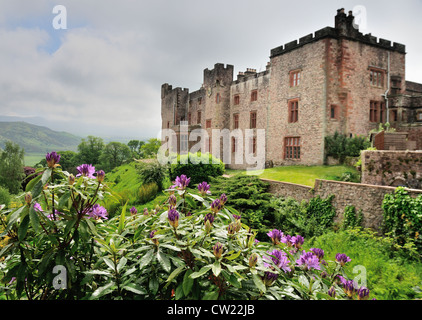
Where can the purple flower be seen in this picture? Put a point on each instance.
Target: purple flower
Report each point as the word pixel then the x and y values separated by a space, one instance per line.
pixel 146 212
pixel 342 279
pixel 275 236
pixel 216 206
pixel 55 216
pixel 209 217
pixel 350 287
pixel 151 235
pixel 318 252
pixel 363 293
pixel 237 217
pixel 37 207
pixel 173 217
pixel 253 259
pixel 100 176
pixel 217 250
pixel 297 241
pixel 181 182
pixel 86 170
pixel 342 259
pixel 223 199
pixel 232 228
pixel 269 278
pixel 287 239
pixel 332 292
pixel 52 158
pixel 309 261
pixel 172 201
pixel 133 211
pixel 204 188
pixel 279 258
pixel 98 212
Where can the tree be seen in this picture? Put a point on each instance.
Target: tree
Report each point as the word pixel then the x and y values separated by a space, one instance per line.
pixel 114 154
pixel 135 146
pixel 11 167
pixel 90 150
pixel 150 149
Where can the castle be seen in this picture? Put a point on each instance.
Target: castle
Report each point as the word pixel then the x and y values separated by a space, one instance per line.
pixel 336 79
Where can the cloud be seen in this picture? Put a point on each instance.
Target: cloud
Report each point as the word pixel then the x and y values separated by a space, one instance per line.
pixel 103 74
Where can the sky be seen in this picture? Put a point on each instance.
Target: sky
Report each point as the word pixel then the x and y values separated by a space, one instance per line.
pixel 101 75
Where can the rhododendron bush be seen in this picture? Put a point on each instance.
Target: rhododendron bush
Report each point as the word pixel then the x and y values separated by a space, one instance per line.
pixel 62 244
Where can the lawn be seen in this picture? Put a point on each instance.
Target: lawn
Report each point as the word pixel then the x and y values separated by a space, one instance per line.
pixel 300 174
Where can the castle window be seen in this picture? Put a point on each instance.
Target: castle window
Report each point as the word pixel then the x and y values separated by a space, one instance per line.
pixel 168 124
pixel 234 144
pixel 295 78
pixel 292 148
pixel 236 121
pixel 393 115
pixel 333 112
pixel 217 98
pixel 200 100
pixel 189 118
pixel 377 111
pixel 253 147
pixel 404 116
pixel 208 124
pixel 208 144
pixel 293 111
pixel 236 99
pixel 253 120
pixel 254 95
pixel 184 143
pixel 198 121
pixel 376 77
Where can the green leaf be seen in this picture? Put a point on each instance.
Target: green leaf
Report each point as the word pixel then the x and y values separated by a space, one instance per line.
pixel 133 287
pixel 64 199
pixel 153 284
pixel 35 221
pixel 122 219
pixel 146 259
pixel 36 190
pixel 121 264
pixel 23 228
pixel 69 226
pixel 187 282
pixel 169 246
pixel 14 215
pixel 46 175
pixel 233 256
pixel 175 273
pixel 32 183
pixel 98 273
pixel 201 272
pixel 213 295
pixel 216 268
pixel 109 263
pixel 102 291
pixel 234 281
pixel 258 282
pixel 164 261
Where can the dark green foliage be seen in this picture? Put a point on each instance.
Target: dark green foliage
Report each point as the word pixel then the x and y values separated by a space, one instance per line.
pixel 403 217
pixel 308 219
pixel 152 172
pixel 351 218
pixel 248 195
pixel 113 155
pixel 206 166
pixel 340 146
pixel 147 192
pixel 90 150
pixel 4 196
pixel 11 167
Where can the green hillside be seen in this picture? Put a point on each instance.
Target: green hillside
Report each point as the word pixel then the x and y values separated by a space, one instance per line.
pixel 36 139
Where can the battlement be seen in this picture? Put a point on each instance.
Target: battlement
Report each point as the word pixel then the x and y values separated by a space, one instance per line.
pixel 167 89
pixel 221 73
pixel 345 28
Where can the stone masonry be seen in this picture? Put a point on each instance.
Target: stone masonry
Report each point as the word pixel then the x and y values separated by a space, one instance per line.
pixel 335 79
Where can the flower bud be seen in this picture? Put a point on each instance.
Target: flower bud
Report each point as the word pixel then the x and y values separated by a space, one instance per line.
pixel 133 211
pixel 28 198
pixel 100 176
pixel 217 250
pixel 253 259
pixel 172 201
pixel 71 179
pixel 52 158
pixel 208 226
pixel 173 217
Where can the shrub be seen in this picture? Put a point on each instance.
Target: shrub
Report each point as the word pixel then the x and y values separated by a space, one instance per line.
pixel 351 218
pixel 147 192
pixel 340 146
pixel 248 195
pixel 152 172
pixel 193 247
pixel 4 196
pixel 199 167
pixel 403 218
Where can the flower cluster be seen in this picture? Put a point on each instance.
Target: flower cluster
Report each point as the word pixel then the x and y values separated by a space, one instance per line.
pixel 308 261
pixel 204 188
pixel 98 212
pixel 181 182
pixel 86 170
pixel 52 159
pixel 173 217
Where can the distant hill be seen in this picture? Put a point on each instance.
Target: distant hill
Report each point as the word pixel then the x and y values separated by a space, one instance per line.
pixel 37 139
